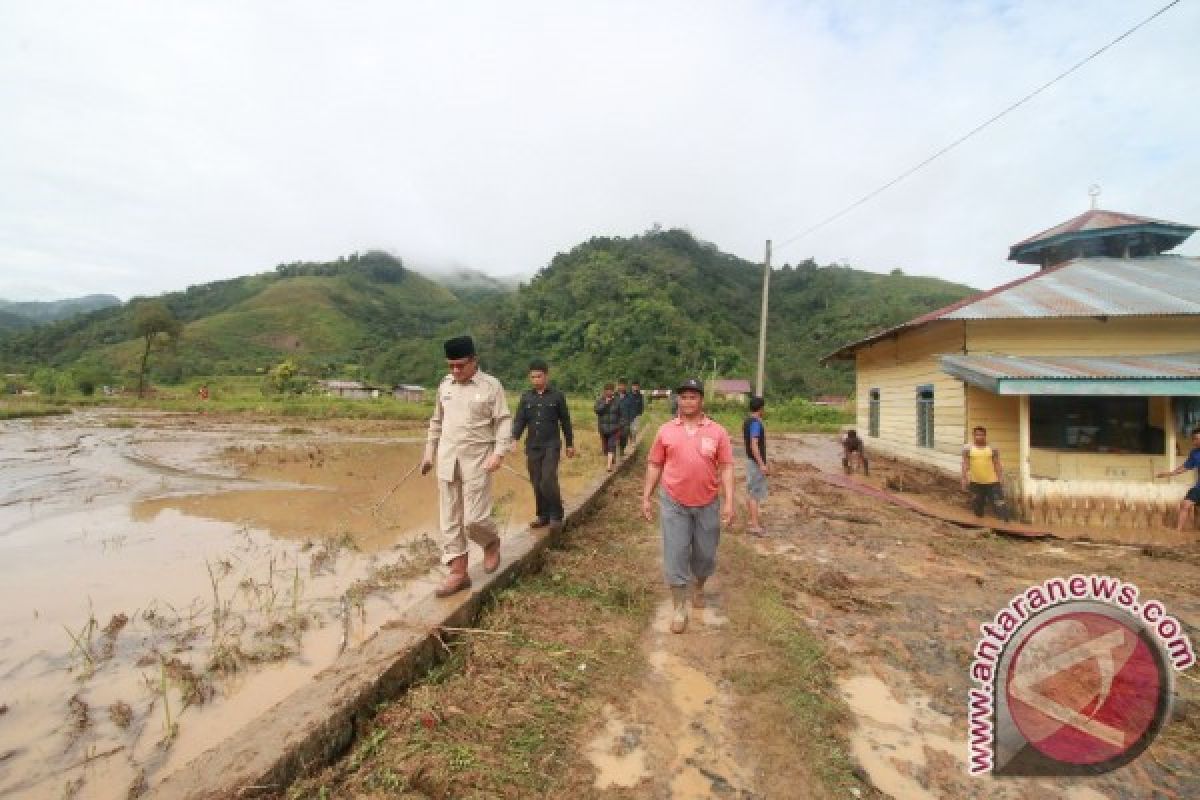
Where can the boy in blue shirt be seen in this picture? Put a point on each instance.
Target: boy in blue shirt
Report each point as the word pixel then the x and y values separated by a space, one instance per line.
pixel 754 436
pixel 1192 498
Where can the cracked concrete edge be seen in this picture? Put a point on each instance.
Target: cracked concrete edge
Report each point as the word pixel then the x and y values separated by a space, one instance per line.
pixel 316 724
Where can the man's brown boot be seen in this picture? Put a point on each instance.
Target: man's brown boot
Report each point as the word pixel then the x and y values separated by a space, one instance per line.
pixel 457 580
pixel 698 594
pixel 491 557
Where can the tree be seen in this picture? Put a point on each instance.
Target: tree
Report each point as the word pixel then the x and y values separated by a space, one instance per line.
pixel 285 378
pixel 90 375
pixel 45 379
pixel 157 326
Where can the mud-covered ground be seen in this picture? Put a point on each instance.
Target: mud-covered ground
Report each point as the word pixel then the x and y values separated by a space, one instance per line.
pixel 902 596
pixel 164 578
pixel 154 568
pixel 831 661
pixel 895 600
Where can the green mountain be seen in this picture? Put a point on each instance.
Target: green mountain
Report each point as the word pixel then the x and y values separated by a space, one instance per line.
pixel 366 313
pixel 662 305
pixel 653 307
pixel 14 322
pixel 20 315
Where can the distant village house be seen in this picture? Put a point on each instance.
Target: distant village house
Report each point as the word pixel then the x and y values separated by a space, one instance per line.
pixel 1086 374
pixel 354 390
pixel 831 400
pixel 408 392
pixel 735 390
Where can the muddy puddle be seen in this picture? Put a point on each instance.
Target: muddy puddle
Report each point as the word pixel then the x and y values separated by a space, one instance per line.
pixel 680 721
pixel 894 736
pixel 163 580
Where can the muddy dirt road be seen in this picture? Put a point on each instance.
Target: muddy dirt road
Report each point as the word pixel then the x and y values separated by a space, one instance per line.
pixel 164 578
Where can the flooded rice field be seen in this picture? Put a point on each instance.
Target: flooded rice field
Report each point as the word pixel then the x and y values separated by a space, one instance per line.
pixel 166 578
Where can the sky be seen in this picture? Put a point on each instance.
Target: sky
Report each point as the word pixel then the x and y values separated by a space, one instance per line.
pixel 145 147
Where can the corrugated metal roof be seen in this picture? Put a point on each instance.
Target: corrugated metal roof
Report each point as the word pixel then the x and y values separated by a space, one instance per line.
pixel 1178 366
pixel 1097 287
pixel 1087 287
pixel 731 385
pixel 1096 219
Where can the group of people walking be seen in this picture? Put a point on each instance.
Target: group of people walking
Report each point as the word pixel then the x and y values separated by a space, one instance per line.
pixel 617 411
pixel 690 465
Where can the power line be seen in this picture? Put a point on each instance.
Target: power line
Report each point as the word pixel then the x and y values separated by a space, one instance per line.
pixel 938 154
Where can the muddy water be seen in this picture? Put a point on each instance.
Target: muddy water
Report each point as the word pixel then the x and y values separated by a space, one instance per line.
pixel 676 737
pixel 118 540
pixel 893 735
pixel 372 496
pixel 617 753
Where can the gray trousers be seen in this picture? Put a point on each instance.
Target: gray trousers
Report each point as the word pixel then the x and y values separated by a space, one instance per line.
pixel 690 536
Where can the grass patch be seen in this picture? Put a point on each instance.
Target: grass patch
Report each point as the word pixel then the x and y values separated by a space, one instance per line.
pixel 787 686
pixel 28 412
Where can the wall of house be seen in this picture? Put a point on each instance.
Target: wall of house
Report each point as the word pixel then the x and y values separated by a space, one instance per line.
pixel 1084 336
pixel 1000 414
pixel 896 366
pixel 1142 509
pixel 1114 467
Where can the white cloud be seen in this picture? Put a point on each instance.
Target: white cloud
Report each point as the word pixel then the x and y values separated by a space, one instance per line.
pixel 145 147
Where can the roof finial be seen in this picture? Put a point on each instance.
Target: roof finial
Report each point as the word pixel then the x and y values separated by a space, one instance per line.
pixel 1094 192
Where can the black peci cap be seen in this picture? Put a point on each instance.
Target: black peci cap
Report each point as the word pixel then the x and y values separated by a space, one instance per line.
pixel 459 347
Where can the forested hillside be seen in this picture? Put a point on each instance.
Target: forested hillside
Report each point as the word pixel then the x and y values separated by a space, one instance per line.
pixel 361 313
pixel 652 307
pixel 664 304
pixel 21 315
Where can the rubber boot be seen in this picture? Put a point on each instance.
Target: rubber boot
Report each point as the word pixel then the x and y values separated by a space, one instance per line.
pixel 457 580
pixel 679 620
pixel 698 593
pixel 491 557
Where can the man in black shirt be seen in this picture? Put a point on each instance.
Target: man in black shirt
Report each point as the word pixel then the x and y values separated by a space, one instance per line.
pixel 608 419
pixel 633 405
pixel 853 450
pixel 543 410
pixel 624 407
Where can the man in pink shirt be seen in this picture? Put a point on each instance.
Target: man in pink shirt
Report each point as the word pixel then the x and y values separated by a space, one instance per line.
pixel 692 457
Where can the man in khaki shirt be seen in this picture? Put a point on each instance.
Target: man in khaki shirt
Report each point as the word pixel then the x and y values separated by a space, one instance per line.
pixel 469 435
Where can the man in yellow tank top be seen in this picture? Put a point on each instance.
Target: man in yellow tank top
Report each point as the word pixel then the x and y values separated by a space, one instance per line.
pixel 982 475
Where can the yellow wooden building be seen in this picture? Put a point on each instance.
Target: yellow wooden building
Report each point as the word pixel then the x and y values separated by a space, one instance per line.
pixel 1086 374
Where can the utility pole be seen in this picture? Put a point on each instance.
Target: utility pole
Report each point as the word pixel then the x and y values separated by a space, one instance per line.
pixel 762 325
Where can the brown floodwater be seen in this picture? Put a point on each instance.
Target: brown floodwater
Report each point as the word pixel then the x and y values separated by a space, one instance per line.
pixel 165 579
pixel 365 492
